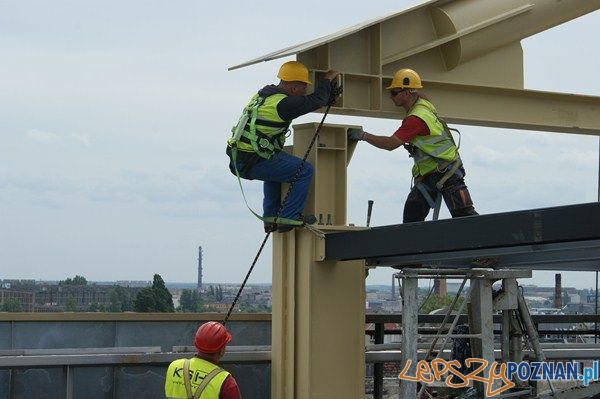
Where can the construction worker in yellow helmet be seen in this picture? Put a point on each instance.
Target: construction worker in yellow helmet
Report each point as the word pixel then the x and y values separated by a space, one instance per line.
pixel 438 171
pixel 256 151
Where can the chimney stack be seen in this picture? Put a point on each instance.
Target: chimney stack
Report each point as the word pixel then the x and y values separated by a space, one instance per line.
pixel 558 291
pixel 199 287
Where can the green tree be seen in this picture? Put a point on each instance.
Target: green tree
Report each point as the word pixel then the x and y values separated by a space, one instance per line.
pixel 94 307
pixel 247 308
pixel 190 301
pixel 438 302
pixel 164 299
pixel 77 280
pixel 71 305
pixel 145 301
pixel 11 305
pixel 154 299
pixel 185 301
pixel 219 295
pixel 120 300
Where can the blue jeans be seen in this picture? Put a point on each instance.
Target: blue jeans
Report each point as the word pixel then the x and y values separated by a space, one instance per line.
pixel 281 168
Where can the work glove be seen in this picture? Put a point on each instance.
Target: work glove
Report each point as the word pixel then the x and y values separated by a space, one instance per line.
pixel 356 134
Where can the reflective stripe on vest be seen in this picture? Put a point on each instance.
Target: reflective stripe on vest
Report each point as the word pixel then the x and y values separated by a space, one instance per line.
pixel 436 150
pixel 199 369
pixel 260 129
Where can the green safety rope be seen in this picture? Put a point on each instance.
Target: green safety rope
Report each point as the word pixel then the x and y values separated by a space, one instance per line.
pixel 268 219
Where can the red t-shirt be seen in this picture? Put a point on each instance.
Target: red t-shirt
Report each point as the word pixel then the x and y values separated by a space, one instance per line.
pixel 229 389
pixel 411 127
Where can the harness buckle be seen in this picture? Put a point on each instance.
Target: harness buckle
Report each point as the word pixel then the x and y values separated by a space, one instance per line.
pixel 264 143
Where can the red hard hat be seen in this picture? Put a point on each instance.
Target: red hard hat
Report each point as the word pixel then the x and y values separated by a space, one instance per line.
pixel 211 337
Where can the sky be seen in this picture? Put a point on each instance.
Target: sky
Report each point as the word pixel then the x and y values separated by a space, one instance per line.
pixel 115 117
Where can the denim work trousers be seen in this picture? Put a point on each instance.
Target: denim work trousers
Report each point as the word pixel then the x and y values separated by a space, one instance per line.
pixel 281 168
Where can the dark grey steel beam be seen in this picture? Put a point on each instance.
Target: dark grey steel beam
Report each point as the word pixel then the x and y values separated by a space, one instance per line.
pixel 537 318
pixel 566 237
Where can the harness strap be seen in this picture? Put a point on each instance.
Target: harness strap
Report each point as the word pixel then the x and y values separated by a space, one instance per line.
pixel 436 205
pixel 254 112
pixel 202 386
pixel 423 189
pixel 186 378
pixel 268 219
pixel 261 142
pixel 206 381
pixel 247 130
pixel 457 164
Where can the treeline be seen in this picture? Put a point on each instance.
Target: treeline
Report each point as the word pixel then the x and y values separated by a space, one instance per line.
pixel 156 298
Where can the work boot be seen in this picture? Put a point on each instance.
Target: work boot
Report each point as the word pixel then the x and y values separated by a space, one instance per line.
pixel 309 219
pixel 270 227
pixel 306 219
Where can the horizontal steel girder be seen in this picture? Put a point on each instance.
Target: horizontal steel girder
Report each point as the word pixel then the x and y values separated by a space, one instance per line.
pixel 561 238
pixel 500 107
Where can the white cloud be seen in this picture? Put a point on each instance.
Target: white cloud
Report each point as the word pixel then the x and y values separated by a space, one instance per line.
pixel 81 139
pixel 42 136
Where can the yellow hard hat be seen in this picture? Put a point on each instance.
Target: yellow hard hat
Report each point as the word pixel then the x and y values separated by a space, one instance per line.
pixel 405 79
pixel 294 71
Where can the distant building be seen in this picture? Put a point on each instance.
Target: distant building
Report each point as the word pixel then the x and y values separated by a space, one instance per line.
pixel 25 298
pixel 54 297
pixel 222 307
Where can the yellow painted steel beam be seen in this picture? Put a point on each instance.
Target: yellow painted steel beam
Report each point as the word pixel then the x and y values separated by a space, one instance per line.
pixel 318 332
pixel 457 35
pixel 500 107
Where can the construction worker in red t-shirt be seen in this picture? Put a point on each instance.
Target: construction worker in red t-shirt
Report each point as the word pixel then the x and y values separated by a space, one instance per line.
pixel 201 377
pixel 437 170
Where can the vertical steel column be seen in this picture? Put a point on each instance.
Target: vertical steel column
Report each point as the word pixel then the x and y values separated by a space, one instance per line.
pixel 596 301
pixel 378 367
pixel 506 315
pixel 481 311
pixel 532 333
pixel 410 311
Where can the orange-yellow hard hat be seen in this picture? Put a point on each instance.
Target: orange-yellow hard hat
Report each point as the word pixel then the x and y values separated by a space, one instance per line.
pixel 406 79
pixel 294 71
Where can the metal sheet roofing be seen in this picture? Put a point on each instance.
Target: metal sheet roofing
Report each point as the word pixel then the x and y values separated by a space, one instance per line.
pixel 299 48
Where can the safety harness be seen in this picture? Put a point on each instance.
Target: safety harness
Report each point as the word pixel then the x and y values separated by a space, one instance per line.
pixel 265 146
pixel 449 168
pixel 247 130
pixel 202 386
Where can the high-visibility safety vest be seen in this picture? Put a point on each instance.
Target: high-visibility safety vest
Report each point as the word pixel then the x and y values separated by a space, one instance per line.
pixel 205 379
pixel 435 151
pixel 260 129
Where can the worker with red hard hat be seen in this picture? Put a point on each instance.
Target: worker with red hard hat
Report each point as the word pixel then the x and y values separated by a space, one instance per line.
pixel 201 377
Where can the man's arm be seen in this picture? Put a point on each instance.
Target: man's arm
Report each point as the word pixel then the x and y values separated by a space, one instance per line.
pixel 292 107
pixel 412 126
pixel 230 389
pixel 384 142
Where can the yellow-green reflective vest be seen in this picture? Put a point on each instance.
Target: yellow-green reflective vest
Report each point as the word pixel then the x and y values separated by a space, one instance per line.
pixel 260 129
pixel 199 368
pixel 435 151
